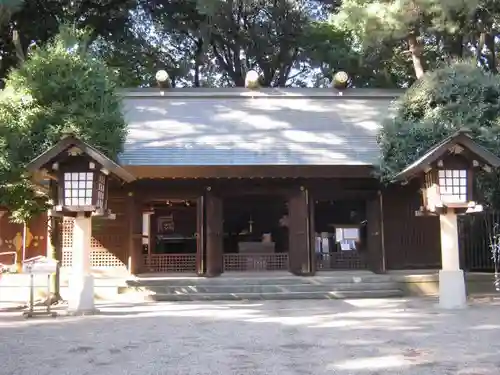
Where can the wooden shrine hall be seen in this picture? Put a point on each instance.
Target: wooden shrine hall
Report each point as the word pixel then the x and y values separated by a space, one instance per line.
pixel 273 179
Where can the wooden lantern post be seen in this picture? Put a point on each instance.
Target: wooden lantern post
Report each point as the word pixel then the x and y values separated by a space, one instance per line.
pixel 81 174
pixel 446 174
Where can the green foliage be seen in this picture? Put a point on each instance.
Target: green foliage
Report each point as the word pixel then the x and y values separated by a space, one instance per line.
pixel 424 26
pixel 60 89
pixel 375 20
pixel 7 7
pixel 443 101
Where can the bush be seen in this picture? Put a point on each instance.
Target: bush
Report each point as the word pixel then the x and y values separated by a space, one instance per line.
pixel 59 89
pixel 443 101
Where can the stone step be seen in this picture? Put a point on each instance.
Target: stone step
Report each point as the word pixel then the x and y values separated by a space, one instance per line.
pixel 289 280
pixel 275 295
pixel 262 288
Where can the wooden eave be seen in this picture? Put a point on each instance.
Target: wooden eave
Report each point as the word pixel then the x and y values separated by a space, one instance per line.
pixel 66 143
pixel 252 171
pixel 461 138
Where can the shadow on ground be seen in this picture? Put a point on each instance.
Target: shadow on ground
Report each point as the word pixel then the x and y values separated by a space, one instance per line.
pixel 291 337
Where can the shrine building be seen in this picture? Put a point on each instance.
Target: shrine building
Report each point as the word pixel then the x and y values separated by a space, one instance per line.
pixel 239 180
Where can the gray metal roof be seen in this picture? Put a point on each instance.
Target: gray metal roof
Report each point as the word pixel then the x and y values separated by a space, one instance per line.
pixel 266 127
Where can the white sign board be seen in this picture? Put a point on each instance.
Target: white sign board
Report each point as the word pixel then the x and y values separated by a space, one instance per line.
pixel 40 266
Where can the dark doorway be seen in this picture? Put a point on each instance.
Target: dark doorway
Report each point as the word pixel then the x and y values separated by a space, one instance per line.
pixel 340 234
pixel 255 232
pixel 173 227
pixel 170 236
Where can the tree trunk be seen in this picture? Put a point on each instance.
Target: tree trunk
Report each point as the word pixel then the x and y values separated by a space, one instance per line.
pixel 491 58
pixel 197 62
pixel 480 46
pixel 453 47
pixel 415 48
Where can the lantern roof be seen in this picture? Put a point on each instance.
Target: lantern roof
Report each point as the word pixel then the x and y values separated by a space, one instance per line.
pixel 54 154
pixel 461 138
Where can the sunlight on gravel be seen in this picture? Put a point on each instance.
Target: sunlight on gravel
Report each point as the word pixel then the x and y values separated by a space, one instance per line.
pixel 366 337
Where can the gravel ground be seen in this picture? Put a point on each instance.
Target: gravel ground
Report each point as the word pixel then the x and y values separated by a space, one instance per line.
pixel 365 337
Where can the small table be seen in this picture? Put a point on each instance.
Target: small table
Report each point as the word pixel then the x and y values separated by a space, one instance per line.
pixel 253 250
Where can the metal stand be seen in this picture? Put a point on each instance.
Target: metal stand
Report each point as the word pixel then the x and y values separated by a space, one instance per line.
pixel 31 309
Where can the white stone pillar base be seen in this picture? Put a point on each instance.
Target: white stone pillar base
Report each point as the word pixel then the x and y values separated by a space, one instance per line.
pixel 81 295
pixel 81 281
pixel 452 292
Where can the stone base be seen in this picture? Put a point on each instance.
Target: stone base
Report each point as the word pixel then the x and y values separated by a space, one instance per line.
pixel 81 293
pixel 452 292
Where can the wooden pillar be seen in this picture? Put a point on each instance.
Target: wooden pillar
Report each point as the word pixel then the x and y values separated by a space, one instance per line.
pixel 301 232
pixel 201 262
pixel 214 239
pixel 134 238
pixel 375 235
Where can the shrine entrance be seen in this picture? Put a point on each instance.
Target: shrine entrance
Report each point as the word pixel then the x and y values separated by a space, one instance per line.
pixel 255 233
pixel 170 236
pixel 340 234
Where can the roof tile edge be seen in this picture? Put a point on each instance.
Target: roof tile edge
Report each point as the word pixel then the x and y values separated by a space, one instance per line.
pixel 269 93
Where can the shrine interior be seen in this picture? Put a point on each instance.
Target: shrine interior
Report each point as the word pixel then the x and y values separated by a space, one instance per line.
pixel 173 227
pixel 339 225
pixel 255 224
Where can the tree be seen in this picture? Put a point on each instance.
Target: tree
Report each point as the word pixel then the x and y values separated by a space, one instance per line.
pixel 38 21
pixel 450 98
pixel 59 89
pixel 423 25
pixel 329 49
pixel 7 8
pixel 238 35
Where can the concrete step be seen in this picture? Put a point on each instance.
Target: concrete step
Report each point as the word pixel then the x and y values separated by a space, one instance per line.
pixel 263 288
pixel 275 295
pixel 264 280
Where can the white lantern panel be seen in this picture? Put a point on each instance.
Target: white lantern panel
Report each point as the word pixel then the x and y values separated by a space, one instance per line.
pixel 78 188
pixel 453 186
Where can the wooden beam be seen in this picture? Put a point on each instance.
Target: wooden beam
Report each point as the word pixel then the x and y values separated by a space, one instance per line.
pixel 253 171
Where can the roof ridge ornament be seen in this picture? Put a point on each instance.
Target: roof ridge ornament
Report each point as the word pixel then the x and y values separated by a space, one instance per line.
pixel 252 79
pixel 341 81
pixel 163 79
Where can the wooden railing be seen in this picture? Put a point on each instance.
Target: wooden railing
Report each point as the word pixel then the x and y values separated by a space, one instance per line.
pixel 340 260
pixel 256 262
pixel 170 263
